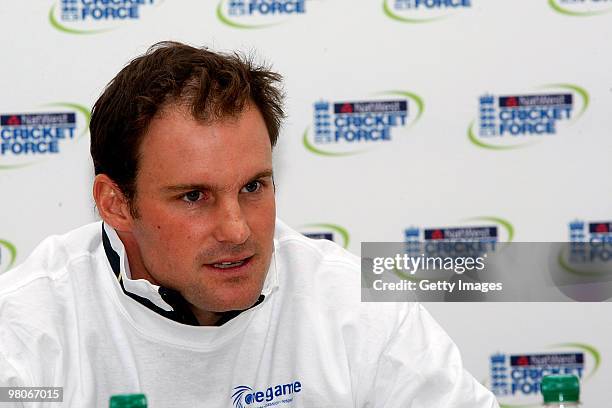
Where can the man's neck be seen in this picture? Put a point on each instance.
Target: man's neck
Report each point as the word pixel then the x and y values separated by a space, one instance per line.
pixel 206 318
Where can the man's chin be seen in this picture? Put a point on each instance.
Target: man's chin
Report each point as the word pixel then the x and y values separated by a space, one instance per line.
pixel 242 303
pixel 222 302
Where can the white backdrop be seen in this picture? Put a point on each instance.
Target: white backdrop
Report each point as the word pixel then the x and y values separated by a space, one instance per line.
pixel 436 58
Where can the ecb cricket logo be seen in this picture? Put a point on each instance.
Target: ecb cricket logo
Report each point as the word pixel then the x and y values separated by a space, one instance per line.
pixel 589 243
pixel 476 229
pixel 585 261
pixel 515 378
pixel 423 11
pixel 474 237
pixel 28 137
pixel 513 121
pixel 331 232
pixel 257 14
pixel 95 17
pixel 348 127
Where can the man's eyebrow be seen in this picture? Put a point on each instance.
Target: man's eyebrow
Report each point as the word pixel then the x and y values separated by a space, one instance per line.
pixel 262 174
pixel 210 187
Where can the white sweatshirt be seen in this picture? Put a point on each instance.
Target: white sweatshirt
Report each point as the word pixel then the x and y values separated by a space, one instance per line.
pixel 65 321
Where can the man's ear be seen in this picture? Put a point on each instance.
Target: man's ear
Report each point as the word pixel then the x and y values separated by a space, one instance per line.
pixel 112 204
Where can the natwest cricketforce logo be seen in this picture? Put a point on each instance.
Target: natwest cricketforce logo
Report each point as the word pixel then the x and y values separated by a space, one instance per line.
pixel 249 14
pixel 244 396
pixel 589 252
pixel 581 8
pixel 596 232
pixel 515 378
pixel 331 232
pixel 517 120
pixel 477 229
pixel 8 254
pixel 96 16
pixel 423 11
pixel 598 236
pixel 27 137
pixel 473 237
pixel 349 127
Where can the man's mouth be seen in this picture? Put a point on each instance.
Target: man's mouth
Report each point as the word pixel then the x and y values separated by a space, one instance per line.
pixel 231 263
pixel 225 265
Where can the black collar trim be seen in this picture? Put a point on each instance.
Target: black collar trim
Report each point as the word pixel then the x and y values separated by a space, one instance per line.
pixel 181 312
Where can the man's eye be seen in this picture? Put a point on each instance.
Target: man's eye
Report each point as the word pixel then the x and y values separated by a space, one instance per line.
pixel 192 196
pixel 252 187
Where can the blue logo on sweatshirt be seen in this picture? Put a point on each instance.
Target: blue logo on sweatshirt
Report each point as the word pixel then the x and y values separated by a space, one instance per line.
pixel 244 396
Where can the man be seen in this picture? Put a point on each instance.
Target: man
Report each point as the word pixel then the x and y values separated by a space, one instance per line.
pixel 190 291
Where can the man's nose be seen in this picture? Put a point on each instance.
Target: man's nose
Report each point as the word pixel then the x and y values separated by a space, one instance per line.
pixel 232 225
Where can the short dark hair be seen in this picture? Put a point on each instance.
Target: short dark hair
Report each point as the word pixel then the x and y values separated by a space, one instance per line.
pixel 213 86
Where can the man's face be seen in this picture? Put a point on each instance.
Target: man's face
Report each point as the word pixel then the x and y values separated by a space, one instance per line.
pixel 206 208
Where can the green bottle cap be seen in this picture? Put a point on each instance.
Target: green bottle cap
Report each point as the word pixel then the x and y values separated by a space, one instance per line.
pixel 560 388
pixel 128 401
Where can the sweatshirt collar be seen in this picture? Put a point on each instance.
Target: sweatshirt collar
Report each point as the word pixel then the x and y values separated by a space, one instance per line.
pixel 165 301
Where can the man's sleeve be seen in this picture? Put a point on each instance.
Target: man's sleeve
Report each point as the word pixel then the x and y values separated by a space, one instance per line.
pixel 420 367
pixel 9 377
